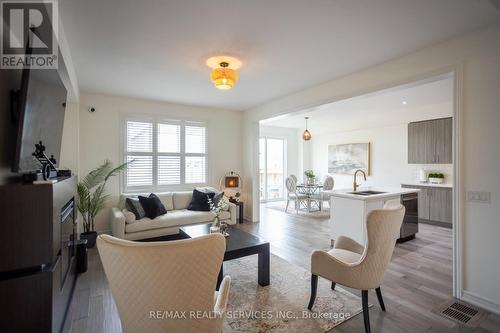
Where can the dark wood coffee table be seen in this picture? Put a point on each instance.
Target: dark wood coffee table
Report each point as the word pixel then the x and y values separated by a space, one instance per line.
pixel 239 244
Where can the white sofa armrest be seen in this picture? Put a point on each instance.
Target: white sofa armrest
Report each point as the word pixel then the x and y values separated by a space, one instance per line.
pixel 232 212
pixel 117 223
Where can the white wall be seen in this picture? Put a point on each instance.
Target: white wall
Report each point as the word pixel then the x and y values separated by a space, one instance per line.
pixel 70 147
pixel 476 57
pixel 389 148
pixel 100 137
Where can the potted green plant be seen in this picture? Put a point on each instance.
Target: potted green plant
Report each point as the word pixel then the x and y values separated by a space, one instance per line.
pixel 309 177
pixel 92 197
pixel 436 177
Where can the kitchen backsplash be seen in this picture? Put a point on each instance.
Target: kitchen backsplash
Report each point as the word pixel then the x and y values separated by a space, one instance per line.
pixel 446 169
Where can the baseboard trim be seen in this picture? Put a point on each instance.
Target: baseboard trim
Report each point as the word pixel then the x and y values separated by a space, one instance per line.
pixel 480 301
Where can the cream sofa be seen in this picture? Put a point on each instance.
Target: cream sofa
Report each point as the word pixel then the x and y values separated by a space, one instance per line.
pixel 125 226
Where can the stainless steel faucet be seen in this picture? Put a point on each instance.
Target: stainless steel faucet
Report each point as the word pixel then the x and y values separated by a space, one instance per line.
pixel 354 185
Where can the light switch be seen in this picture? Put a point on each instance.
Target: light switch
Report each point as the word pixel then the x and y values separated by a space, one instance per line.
pixel 475 196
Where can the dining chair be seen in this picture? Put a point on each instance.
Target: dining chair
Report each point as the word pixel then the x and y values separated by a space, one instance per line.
pixel 356 266
pixel 294 178
pixel 322 196
pixel 179 276
pixel 293 195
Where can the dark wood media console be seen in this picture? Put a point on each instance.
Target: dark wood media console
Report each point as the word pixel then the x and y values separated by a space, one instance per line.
pixel 38 266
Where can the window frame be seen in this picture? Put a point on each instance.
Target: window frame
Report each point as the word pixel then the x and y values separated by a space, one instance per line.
pixel 155 120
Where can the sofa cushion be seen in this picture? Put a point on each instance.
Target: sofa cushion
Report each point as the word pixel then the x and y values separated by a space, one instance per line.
pixel 152 206
pixel 199 202
pixel 173 219
pixel 134 205
pixel 182 199
pixel 166 198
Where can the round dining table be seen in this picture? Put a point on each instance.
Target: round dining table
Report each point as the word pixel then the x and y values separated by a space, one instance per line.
pixel 310 190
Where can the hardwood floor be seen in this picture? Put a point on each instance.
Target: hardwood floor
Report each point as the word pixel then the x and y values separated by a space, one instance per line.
pixel 418 279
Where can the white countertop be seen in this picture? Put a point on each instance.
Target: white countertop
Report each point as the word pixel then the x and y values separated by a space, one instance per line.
pixel 390 192
pixel 445 185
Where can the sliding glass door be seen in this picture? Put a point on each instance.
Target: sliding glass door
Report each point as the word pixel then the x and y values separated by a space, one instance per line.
pixel 272 156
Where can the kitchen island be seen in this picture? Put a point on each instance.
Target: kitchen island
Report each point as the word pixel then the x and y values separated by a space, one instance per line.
pixel 349 210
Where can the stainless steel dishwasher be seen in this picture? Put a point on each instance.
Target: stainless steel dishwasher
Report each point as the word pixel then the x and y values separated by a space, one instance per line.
pixel 410 222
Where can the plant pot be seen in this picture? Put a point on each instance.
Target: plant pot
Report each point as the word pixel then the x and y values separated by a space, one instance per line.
pixel 90 236
pixel 433 180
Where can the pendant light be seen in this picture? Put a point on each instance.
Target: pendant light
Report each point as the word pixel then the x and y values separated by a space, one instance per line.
pixel 306 135
pixel 224 72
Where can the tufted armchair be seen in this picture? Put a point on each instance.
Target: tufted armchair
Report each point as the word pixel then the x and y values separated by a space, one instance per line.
pixel 152 282
pixel 356 266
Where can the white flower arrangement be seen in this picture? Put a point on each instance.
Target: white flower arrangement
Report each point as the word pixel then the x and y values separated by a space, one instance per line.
pixel 218 208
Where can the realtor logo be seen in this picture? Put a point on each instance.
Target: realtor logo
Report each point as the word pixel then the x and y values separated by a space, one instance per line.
pixel 29 33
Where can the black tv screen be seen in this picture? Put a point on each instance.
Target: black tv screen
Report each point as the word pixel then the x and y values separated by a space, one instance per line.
pixel 41 108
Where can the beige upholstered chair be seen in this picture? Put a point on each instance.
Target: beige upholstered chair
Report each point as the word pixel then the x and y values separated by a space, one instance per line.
pixel 152 281
pixel 292 195
pixel 328 185
pixel 352 265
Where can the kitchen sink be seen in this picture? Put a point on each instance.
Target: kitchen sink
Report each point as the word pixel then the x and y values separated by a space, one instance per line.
pixel 367 192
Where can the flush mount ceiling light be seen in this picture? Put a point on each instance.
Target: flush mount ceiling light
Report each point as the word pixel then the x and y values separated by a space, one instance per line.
pixel 224 71
pixel 306 135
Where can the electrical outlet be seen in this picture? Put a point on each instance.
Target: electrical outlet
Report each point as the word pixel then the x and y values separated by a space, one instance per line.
pixel 476 196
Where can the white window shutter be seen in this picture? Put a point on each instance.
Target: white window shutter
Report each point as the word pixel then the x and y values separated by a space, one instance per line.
pixel 195 169
pixel 139 171
pixel 169 170
pixel 195 140
pixel 139 137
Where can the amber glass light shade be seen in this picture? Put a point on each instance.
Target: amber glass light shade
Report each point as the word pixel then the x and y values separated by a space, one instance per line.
pixel 306 135
pixel 224 78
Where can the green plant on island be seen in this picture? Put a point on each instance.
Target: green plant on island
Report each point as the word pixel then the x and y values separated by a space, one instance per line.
pixel 436 175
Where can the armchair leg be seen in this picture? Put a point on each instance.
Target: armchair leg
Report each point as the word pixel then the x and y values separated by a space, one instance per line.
pixel 314 288
pixel 333 285
pixel 287 203
pixel 380 299
pixel 366 316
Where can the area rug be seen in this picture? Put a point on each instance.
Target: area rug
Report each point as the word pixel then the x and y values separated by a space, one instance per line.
pixel 325 213
pixel 282 306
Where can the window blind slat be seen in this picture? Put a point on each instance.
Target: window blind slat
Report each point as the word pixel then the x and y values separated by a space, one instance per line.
pixel 195 140
pixel 169 170
pixel 140 171
pixel 139 137
pixel 169 138
pixel 195 169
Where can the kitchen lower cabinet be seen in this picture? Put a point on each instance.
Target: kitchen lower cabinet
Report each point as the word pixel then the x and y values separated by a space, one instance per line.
pixel 435 204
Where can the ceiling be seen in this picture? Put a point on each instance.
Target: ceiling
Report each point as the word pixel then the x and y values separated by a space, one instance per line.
pixel 156 49
pixel 432 98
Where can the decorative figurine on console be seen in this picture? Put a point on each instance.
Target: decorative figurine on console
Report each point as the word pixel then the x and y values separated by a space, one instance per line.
pixel 48 164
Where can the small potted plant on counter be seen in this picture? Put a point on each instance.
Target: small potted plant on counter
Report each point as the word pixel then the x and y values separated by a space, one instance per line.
pixel 310 177
pixel 436 178
pixel 92 197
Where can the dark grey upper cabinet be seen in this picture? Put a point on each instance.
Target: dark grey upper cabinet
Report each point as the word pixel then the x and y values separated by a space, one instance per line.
pixel 430 141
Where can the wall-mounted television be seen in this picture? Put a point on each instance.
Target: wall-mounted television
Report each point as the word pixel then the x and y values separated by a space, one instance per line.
pixel 41 103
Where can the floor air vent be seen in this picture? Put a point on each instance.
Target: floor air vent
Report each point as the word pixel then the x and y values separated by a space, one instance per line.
pixel 460 312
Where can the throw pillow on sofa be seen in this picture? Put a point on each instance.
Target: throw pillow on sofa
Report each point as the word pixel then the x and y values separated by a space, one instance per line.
pixel 199 202
pixel 152 206
pixel 134 206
